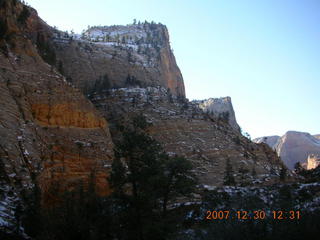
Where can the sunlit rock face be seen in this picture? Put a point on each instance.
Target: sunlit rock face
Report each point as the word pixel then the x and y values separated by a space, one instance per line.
pixel 293 147
pixel 51 134
pixel 121 56
pixel 313 161
pixel 221 108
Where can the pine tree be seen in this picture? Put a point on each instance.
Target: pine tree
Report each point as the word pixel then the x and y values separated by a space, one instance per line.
pixel 298 168
pixel 229 178
pixel 283 173
pixel 177 180
pixel 243 175
pixel 145 179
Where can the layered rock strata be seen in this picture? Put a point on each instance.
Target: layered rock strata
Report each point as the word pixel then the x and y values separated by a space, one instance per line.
pixel 183 129
pixel 51 135
pixel 119 56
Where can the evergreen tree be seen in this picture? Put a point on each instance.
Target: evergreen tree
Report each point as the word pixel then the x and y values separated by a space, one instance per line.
pixel 23 16
pixel 229 178
pixel 177 179
pixel 3 28
pixel 283 173
pixel 298 169
pixel 254 172
pixel 145 179
pixel 243 176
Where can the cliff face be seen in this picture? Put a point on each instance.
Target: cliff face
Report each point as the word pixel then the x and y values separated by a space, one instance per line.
pixel 50 133
pixel 119 56
pixel 313 161
pixel 184 129
pixel 221 108
pixel 293 147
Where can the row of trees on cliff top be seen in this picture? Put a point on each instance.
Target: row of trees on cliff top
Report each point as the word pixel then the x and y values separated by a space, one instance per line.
pixel 144 181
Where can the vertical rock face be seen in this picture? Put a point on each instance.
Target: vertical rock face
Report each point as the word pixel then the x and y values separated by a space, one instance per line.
pixel 293 147
pixel 50 133
pixel 221 108
pixel 313 161
pixel 119 56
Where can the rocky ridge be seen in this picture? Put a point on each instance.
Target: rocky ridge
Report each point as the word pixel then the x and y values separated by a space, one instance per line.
pixel 184 129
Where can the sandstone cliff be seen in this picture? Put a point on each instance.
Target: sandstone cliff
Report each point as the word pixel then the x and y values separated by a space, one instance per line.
pixel 119 56
pixel 313 161
pixel 51 135
pixel 221 108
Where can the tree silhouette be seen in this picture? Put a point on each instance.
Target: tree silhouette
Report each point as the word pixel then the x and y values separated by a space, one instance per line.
pixel 229 178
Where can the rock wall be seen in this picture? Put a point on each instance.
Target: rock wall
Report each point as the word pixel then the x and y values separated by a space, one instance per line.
pixel 313 161
pixel 51 135
pixel 121 56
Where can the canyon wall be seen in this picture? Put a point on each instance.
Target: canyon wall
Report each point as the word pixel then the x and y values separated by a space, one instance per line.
pixel 119 56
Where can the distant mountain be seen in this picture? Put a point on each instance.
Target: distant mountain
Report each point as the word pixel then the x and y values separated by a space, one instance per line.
pixel 293 147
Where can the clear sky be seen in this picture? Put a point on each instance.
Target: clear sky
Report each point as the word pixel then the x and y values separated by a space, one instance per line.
pixel 264 54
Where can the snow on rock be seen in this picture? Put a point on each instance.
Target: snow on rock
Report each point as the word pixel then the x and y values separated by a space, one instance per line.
pixel 9 202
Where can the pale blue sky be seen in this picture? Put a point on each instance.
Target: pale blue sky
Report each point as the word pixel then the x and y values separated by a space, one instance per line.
pixel 265 54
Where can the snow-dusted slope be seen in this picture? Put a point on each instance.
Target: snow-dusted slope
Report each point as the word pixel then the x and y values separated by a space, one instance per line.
pixel 143 42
